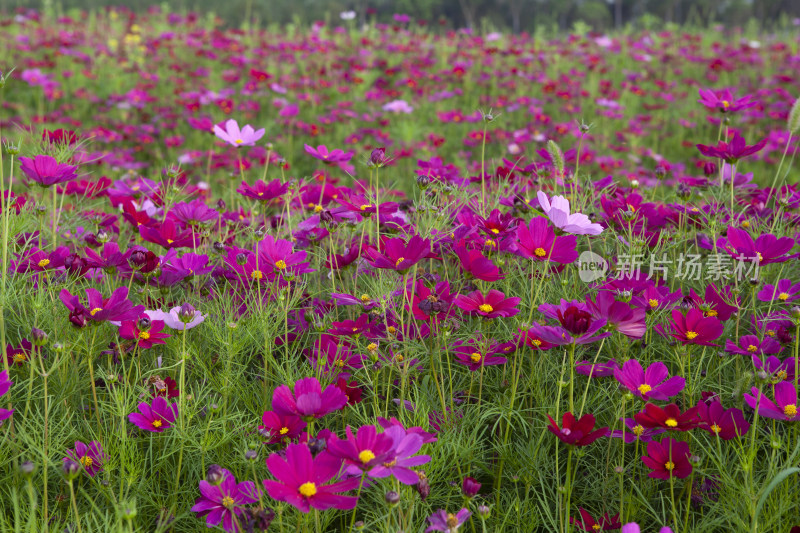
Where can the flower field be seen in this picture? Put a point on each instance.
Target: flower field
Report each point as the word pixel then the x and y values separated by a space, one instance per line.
pixel 396 278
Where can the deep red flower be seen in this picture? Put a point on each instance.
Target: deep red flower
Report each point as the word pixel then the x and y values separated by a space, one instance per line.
pixel 668 458
pixel 670 417
pixel 694 328
pixel 576 432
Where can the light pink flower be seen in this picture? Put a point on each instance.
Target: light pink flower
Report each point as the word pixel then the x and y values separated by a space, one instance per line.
pixel 557 211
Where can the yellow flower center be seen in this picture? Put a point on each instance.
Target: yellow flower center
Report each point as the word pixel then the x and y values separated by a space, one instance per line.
pixel 536 342
pixel 745 223
pixel 691 335
pixel 308 489
pixel 782 296
pixel 790 410
pixel 365 207
pixel 760 257
pixel 238 141
pixel 669 465
pixel 317 209
pixel 20 358
pixel 399 358
pixel 711 312
pixel 782 375
pixel 227 501
pixel 95 311
pixel 365 298
pixel 43 263
pixel 392 330
pixel 495 231
pixel 715 428
pixel 540 252
pixel 671 422
pixel 280 264
pixel 476 357
pixel 372 347
pixel 144 335
pixel 644 388
pixel 490 242
pixel 752 348
pixel 452 521
pixel 770 332
pixel 156 423
pixel 284 430
pixel 366 456
pixel 597 527
pixel 726 104
pixel 400 260
pixel 486 308
pixel 170 241
pixel 653 303
pixel 256 274
pixel 638 429
pixel 86 461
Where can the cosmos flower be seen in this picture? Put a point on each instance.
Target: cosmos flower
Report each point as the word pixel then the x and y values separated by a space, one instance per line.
pixel 302 480
pixel 262 191
pixel 220 503
pixel 115 308
pixel 694 328
pixel 784 292
pixel 776 369
pixel 470 356
pixel 733 151
pixel 652 384
pixel 322 153
pixel 402 457
pixel 144 331
pixel 398 254
pixel 724 100
pixel 90 456
pixel 587 523
pixel 538 241
pixel 750 345
pixel 474 265
pixel 668 458
pixel 766 249
pixel 576 432
pixel 619 316
pixel 308 401
pixel 636 432
pixel 783 408
pixel 362 451
pixel 669 418
pixel 156 417
pixel 557 210
pixel 726 424
pixel 494 304
pixel 597 370
pixel 5 384
pixel 45 171
pixel 281 427
pixel 234 136
pixel 441 520
pixel 181 317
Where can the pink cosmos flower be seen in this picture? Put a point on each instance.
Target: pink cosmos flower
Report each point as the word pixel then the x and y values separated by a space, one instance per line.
pixel 98 309
pixel 402 457
pixel 174 319
pixel 652 384
pixel 784 292
pixel 156 417
pixel 398 255
pixel 723 100
pixel 322 153
pixel 219 503
pixel 668 458
pixel 726 424
pixel 280 427
pixel 301 480
pixel 45 171
pixel 90 456
pixel 784 407
pixel 309 401
pixel 5 384
pixel 750 345
pixel 362 451
pixel 694 328
pixel 538 241
pixel 441 520
pixel 492 305
pixel 234 136
pixel 144 331
pixel 557 210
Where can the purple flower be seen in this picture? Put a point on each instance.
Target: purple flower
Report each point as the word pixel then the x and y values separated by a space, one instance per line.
pixel 194 213
pixel 723 100
pixel 619 316
pixel 597 370
pixel 322 153
pixel 633 527
pixel 717 421
pixel 46 171
pixel 784 407
pixel 116 308
pixel 234 136
pixel 155 418
pixel 651 384
pixel 750 345
pixel 5 384
pixel 219 503
pixel 557 210
pixel 301 480
pixel 174 320
pixel 402 458
pixel 362 451
pixel 309 401
pixel 90 456
pixel 494 304
pixel 441 520
pixel 733 151
pixel 777 369
pixel 785 292
pixel 766 249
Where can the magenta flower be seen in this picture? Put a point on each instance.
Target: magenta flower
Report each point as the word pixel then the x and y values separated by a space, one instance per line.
pixel 470 356
pixel 651 384
pixel 277 257
pixel 45 171
pixel 155 418
pixel 301 480
pixel 724 100
pixel 538 241
pixel 633 527
pixel 116 308
pixel 784 407
pixel 401 458
pixel 90 456
pixel 263 192
pixel 169 235
pixel 733 151
pixel 5 384
pixel 281 427
pixel 588 523
pixel 578 326
pixel 144 331
pixel 557 210
pixel 399 255
pixel 694 328
pixel 492 305
pixel 234 136
pixel 219 503
pixel 784 292
pixel 597 370
pixel 322 153
pixel 362 451
pixel 668 458
pixel 619 316
pixel 726 424
pixel 309 401
pixel 474 265
pixel 636 431
pixel 574 432
pixel 441 520
pixel 776 369
pixel 766 248
pixel 750 345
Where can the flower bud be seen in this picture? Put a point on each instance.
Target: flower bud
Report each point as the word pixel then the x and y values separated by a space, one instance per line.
pixel 470 487
pixel 214 475
pixel 70 469
pixel 392 498
pixel 186 313
pixel 423 182
pixel 38 337
pixel 251 455
pixel 483 511
pixel 27 469
pixel 144 323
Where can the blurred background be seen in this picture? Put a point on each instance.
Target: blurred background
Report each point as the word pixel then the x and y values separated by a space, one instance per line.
pixel 513 15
